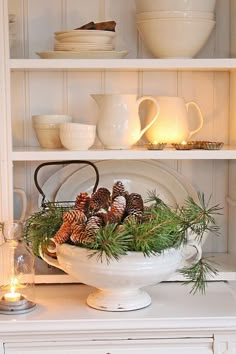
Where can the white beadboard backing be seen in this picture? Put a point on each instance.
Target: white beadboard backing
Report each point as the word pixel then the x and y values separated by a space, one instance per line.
pixel 69 91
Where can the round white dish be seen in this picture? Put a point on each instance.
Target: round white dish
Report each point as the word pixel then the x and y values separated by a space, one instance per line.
pixel 86 35
pixel 78 47
pixel 93 54
pixel 137 176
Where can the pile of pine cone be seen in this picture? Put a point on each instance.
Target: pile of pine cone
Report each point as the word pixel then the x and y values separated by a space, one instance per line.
pixel 92 212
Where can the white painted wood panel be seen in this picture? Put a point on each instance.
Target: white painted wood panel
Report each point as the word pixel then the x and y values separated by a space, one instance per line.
pixel 171 346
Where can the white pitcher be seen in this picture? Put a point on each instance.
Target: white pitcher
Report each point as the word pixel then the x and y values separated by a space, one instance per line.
pixel 119 124
pixel 172 125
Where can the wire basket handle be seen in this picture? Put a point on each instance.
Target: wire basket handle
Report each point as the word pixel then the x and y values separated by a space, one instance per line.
pixel 62 163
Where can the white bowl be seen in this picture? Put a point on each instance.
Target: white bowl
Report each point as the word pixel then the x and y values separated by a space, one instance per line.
pixel 178 5
pixel 86 36
pixel 176 14
pixel 118 283
pixel 47 127
pixel 76 136
pixel 174 37
pixel 51 118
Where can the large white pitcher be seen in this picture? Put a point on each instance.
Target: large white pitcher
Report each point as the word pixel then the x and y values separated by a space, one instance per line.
pixel 172 125
pixel 119 126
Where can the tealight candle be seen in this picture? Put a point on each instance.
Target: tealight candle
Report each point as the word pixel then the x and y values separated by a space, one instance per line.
pixel 12 297
pixel 156 146
pixel 182 146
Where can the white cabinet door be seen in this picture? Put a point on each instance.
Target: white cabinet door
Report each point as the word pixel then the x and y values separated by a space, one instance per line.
pixel 225 344
pixel 167 346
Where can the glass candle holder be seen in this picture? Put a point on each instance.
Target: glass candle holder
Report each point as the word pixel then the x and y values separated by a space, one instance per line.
pixel 182 146
pixel 16 271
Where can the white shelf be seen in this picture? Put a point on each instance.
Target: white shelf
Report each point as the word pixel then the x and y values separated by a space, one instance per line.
pixel 37 154
pixel 222 64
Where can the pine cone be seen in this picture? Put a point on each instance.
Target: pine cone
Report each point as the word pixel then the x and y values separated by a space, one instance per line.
pixel 118 207
pixel 100 199
pixel 77 231
pixel 117 189
pixel 135 205
pixel 74 216
pixel 63 234
pixel 82 202
pixel 93 224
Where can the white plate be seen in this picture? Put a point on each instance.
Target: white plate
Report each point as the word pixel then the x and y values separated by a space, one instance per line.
pixel 137 176
pixel 77 47
pixel 93 54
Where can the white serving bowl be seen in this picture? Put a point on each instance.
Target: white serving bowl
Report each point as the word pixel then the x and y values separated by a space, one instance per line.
pixel 119 283
pixel 176 14
pixel 178 5
pixel 77 136
pixel 86 36
pixel 174 37
pixel 47 127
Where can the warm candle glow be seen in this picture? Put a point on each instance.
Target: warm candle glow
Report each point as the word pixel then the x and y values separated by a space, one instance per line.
pixel 184 143
pixel 12 297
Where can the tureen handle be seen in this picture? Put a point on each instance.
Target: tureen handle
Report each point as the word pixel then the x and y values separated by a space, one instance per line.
pixel 191 253
pixel 48 259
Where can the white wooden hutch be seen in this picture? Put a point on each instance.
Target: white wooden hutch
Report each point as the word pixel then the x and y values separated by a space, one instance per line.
pixel 176 322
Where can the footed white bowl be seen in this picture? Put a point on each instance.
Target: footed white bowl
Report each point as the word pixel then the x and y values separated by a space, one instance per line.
pixel 119 283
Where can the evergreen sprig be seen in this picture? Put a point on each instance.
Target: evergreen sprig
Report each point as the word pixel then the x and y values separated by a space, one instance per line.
pixel 43 225
pixel 198 274
pixel 110 243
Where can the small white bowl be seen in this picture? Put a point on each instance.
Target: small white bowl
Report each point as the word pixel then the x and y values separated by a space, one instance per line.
pixel 47 127
pixel 178 5
pixel 175 37
pixel 77 136
pixel 175 14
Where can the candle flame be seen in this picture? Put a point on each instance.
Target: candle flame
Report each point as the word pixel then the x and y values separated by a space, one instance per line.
pixel 184 143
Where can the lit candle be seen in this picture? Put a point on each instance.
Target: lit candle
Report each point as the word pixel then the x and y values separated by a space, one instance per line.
pixel 12 297
pixel 156 146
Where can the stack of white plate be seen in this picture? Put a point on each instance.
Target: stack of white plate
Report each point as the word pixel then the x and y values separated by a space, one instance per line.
pixel 84 40
pixel 12 28
pixel 84 44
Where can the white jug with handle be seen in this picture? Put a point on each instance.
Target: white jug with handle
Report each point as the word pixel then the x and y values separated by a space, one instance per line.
pixel 172 125
pixel 119 125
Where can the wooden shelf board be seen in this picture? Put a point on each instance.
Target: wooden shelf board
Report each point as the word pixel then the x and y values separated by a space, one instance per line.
pixel 212 64
pixel 37 154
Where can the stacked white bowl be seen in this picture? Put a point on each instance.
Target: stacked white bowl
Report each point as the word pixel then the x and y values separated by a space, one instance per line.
pixel 175 28
pixel 84 40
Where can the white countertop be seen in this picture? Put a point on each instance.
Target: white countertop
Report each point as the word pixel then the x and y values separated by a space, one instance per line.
pixel 172 309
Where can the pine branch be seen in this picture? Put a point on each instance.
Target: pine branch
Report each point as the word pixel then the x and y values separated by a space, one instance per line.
pixel 42 226
pixel 198 274
pixel 111 243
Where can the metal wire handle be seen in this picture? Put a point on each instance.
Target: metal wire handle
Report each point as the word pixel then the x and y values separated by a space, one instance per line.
pixel 43 203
